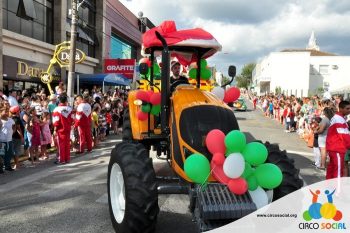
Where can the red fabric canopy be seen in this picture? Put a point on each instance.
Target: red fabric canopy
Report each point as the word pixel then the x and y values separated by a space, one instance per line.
pixel 188 38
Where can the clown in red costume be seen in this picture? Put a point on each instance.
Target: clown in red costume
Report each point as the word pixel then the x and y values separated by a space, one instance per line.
pixel 62 119
pixel 338 142
pixel 83 123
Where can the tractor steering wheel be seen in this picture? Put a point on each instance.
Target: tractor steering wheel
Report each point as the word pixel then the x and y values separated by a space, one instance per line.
pixel 177 83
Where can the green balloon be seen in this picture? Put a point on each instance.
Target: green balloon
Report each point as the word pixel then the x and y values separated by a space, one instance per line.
pixel 193 73
pixel 235 141
pixel 247 171
pixel 255 153
pixel 252 183
pixel 206 74
pixel 268 175
pixel 155 110
pixel 203 64
pixel 197 168
pixel 146 108
pixel 306 215
pixel 156 71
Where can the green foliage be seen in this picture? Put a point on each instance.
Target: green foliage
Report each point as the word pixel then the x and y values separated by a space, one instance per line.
pixel 278 90
pixel 242 82
pixel 225 80
pixel 245 78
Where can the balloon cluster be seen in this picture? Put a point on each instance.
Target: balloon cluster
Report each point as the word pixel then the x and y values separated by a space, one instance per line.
pixel 205 72
pixel 228 96
pixel 150 104
pixel 239 165
pixel 156 69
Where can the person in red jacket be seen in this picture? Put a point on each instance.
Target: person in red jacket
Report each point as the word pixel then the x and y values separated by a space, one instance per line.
pixel 62 119
pixel 83 123
pixel 338 141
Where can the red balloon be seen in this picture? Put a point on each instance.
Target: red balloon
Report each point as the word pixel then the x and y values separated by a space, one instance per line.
pixel 238 186
pixel 215 141
pixel 232 94
pixel 143 95
pixel 218 173
pixel 338 216
pixel 155 98
pixel 145 60
pixel 142 116
pixel 218 158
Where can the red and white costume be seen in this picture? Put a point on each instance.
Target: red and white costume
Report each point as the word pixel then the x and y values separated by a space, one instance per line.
pixel 337 143
pixel 83 122
pixel 62 119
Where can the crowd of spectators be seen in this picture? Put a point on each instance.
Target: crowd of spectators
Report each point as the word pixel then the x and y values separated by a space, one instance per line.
pixel 27 129
pixel 310 118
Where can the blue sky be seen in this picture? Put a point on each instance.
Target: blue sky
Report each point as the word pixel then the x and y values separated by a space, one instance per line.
pixel 250 29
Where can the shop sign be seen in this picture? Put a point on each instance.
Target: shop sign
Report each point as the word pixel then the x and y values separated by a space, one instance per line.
pixel 120 66
pixel 24 69
pixel 63 56
pixel 19 69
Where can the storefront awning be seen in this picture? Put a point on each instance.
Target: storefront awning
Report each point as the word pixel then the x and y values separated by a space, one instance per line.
pixel 101 79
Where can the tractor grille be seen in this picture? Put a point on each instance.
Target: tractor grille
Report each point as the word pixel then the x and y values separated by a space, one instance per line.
pixel 196 122
pixel 216 206
pixel 216 202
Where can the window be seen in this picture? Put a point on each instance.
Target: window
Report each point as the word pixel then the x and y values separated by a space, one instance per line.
pixel 32 18
pixel 26 10
pixel 324 69
pixel 86 26
pixel 120 49
pixel 312 69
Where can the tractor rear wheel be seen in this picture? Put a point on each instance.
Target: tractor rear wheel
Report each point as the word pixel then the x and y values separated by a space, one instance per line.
pixel 291 180
pixel 132 189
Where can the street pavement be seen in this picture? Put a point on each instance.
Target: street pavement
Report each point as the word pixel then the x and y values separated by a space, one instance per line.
pixel 73 197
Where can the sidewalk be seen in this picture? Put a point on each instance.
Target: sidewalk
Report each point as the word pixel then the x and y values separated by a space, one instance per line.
pixel 26 163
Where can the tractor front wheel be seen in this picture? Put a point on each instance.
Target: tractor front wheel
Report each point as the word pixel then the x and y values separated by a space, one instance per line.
pixel 132 189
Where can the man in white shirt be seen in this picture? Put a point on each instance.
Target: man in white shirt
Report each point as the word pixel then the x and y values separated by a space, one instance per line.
pixel 12 99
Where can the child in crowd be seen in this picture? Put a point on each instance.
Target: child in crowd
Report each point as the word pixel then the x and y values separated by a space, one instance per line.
pixel 7 129
pixel 115 120
pixel 17 137
pixel 95 131
pixel 317 153
pixel 46 136
pixel 102 124
pixel 33 133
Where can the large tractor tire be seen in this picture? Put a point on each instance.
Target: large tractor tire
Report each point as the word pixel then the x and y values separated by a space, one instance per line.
pixel 291 180
pixel 127 133
pixel 132 189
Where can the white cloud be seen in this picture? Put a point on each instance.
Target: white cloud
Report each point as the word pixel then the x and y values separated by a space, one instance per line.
pixel 250 29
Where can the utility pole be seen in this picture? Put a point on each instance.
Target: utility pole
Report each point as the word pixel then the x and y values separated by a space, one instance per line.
pixel 73 39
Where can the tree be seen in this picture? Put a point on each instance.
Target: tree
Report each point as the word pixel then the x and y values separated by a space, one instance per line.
pixel 242 82
pixel 245 78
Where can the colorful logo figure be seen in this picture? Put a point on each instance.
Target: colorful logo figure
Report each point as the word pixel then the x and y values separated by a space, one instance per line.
pixel 327 210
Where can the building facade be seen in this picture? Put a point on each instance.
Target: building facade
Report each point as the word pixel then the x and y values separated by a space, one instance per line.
pixel 31 29
pixel 301 72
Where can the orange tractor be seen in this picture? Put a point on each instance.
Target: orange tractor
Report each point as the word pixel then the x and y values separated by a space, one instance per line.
pixel 187 114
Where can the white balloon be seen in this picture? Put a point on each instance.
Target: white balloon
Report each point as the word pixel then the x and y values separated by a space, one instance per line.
pixel 219 92
pixel 259 197
pixel 234 165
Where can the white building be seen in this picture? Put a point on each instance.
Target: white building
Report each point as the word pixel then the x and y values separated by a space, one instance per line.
pixel 302 72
